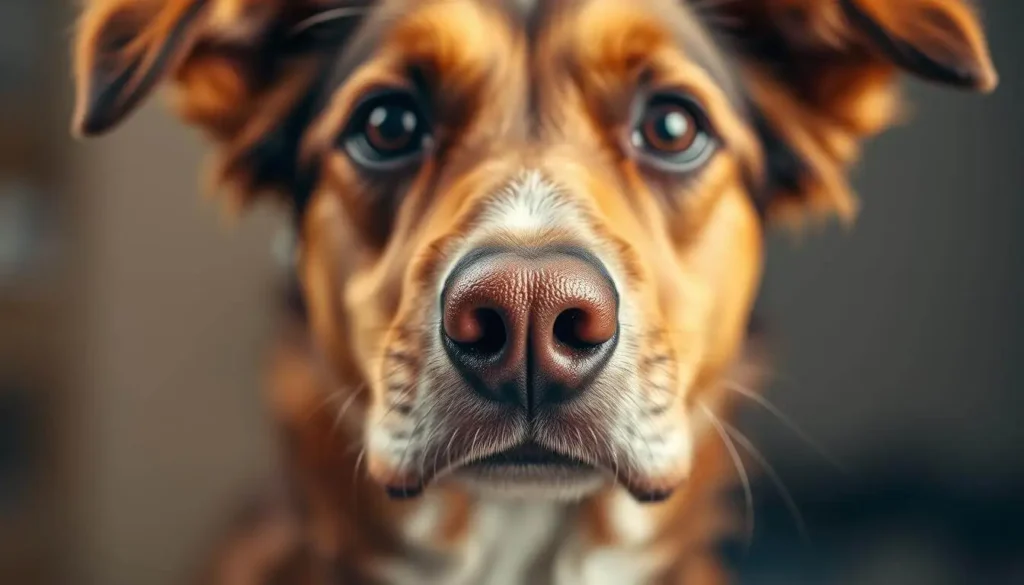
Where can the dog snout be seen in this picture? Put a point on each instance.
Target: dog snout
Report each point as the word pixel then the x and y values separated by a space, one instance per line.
pixel 529 328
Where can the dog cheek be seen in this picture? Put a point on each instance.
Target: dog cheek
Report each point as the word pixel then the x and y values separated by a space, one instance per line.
pixel 730 263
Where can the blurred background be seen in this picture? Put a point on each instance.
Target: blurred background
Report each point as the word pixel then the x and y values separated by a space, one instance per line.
pixel 134 324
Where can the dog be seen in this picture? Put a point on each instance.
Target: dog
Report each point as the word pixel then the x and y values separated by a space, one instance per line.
pixel 530 235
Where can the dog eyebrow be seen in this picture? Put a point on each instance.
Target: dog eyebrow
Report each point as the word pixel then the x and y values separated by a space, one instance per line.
pixel 354 51
pixel 366 40
pixel 690 33
pixel 351 51
pixel 701 46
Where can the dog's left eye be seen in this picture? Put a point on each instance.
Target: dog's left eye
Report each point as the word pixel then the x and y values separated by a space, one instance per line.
pixel 386 131
pixel 671 132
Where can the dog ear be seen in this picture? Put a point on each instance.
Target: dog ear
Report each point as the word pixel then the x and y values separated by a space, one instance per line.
pixel 822 77
pixel 939 40
pixel 242 70
pixel 124 50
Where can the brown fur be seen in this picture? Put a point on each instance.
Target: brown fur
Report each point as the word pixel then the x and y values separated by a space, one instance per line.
pixel 791 88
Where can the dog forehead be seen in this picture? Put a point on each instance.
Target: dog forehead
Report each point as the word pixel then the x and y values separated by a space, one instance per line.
pixel 681 22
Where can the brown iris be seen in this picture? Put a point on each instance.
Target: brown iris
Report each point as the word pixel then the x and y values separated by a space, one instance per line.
pixel 671 133
pixel 668 128
pixel 391 128
pixel 387 131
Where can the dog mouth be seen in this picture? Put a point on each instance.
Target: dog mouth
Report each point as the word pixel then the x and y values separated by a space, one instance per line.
pixel 526 468
pixel 528 454
pixel 531 469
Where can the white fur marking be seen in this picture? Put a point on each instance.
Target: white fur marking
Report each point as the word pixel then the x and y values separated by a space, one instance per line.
pixel 510 542
pixel 631 520
pixel 530 203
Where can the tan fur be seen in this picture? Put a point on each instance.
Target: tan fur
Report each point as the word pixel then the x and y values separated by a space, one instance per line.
pixel 550 107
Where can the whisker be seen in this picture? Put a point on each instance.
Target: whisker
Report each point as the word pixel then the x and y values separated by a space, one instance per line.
pixel 359 460
pixel 741 470
pixel 597 442
pixel 581 446
pixel 788 422
pixel 413 434
pixel 448 447
pixel 447 451
pixel 328 16
pixel 773 475
pixel 425 448
pixel 615 461
pixel 424 451
pixel 472 446
pixel 346 406
pixel 328 399
pixel 356 474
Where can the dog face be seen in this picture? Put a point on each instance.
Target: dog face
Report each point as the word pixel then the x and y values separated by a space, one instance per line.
pixel 531 232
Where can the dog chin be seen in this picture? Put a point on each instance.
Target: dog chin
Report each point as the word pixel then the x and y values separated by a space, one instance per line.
pixel 532 481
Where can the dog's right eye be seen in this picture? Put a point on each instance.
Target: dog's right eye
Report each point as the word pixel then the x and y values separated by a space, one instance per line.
pixel 671 133
pixel 386 131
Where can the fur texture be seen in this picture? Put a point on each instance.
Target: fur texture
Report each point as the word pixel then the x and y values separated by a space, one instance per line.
pixel 538 125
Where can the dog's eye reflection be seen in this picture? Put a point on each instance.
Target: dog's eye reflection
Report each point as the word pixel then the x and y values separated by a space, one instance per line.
pixel 386 131
pixel 669 128
pixel 671 134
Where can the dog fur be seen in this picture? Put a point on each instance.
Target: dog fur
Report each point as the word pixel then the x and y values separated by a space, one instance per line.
pixel 532 109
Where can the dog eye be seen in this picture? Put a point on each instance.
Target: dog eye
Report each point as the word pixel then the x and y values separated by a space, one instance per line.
pixel 386 131
pixel 671 132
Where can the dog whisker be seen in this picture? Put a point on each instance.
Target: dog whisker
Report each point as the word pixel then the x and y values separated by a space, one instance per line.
pixel 773 475
pixel 615 461
pixel 359 462
pixel 346 406
pixel 425 450
pixel 357 472
pixel 328 16
pixel 472 446
pixel 447 452
pixel 329 398
pixel 584 449
pixel 593 435
pixel 412 436
pixel 741 470
pixel 787 421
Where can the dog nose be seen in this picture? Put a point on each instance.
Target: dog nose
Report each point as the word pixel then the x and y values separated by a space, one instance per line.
pixel 529 328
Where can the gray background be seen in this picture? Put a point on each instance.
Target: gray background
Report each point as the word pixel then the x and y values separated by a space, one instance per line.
pixel 904 337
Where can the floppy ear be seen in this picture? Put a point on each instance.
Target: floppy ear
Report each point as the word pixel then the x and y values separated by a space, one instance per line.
pixel 243 71
pixel 822 77
pixel 939 40
pixel 124 50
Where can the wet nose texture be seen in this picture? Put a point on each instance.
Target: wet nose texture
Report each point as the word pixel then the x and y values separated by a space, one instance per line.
pixel 529 327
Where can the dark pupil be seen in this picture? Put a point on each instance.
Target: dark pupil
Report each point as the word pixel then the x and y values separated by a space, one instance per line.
pixel 670 127
pixel 391 127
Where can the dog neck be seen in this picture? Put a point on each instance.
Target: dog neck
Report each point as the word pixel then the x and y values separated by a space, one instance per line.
pixel 509 541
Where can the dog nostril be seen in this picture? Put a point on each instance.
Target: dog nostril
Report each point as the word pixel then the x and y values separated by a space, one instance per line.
pixel 575 329
pixel 486 335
